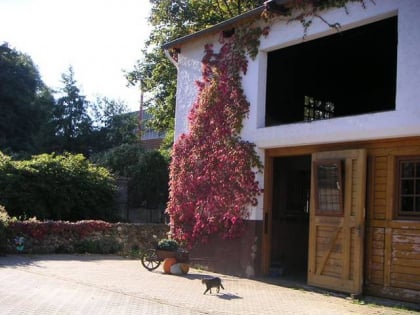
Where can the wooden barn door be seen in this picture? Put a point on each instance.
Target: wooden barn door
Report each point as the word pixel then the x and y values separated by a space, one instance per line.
pixel 337 218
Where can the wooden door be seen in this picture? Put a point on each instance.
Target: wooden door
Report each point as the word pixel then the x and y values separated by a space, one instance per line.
pixel 337 218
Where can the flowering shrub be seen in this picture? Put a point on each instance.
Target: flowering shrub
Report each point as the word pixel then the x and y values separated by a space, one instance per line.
pixel 38 229
pixel 212 173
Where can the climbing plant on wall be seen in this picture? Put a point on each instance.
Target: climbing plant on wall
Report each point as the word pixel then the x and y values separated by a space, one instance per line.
pixel 213 171
pixel 212 174
pixel 305 11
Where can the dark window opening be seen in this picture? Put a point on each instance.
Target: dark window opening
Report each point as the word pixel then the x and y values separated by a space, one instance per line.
pixel 349 73
pixel 408 194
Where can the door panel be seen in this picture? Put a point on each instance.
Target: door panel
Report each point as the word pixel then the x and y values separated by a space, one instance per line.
pixel 337 218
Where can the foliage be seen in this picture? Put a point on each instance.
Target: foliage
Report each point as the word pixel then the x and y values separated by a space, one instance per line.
pixel 212 174
pixel 112 124
pixel 40 229
pixel 305 11
pixel 168 244
pixel 172 19
pixel 33 122
pixel 148 173
pixel 63 187
pixel 83 234
pixel 120 160
pixel 148 185
pixel 73 126
pixel 4 222
pixel 25 104
pixel 88 127
pixel 102 246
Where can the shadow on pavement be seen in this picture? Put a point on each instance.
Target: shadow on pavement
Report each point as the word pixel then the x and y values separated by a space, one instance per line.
pixel 299 283
pixel 15 261
pixel 27 259
pixel 228 296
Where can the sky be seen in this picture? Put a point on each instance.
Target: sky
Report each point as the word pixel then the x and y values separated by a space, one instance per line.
pixel 98 38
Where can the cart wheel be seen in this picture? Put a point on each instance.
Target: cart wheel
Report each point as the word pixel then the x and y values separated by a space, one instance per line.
pixel 150 259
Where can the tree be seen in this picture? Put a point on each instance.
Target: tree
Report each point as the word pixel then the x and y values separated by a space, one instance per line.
pixel 148 185
pixel 172 19
pixel 113 124
pixel 26 104
pixel 73 126
pixel 148 172
pixel 120 160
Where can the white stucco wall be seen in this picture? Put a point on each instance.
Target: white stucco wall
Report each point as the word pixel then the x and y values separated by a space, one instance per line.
pixel 404 121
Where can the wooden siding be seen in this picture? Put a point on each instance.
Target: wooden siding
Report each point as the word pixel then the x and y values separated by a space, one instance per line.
pixel 392 245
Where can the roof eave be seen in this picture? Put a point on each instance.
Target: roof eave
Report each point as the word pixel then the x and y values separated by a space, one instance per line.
pixel 213 29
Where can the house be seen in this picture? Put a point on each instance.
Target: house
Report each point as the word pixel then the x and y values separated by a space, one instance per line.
pixel 335 117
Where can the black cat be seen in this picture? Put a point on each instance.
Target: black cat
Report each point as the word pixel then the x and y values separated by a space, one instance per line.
pixel 212 283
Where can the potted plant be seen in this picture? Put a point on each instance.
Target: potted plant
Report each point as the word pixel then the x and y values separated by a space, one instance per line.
pixel 167 248
pixel 168 245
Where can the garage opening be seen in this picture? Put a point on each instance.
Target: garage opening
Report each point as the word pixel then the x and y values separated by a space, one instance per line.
pixel 290 217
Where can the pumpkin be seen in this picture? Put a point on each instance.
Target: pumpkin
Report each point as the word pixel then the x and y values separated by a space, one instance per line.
pixel 167 264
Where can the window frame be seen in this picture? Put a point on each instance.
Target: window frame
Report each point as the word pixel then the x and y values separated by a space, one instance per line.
pixel 340 180
pixel 398 213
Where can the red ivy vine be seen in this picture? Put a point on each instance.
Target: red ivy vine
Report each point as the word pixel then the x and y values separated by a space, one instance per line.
pixel 305 11
pixel 212 173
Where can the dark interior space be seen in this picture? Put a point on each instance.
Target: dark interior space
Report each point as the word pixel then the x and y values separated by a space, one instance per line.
pixel 290 217
pixel 349 73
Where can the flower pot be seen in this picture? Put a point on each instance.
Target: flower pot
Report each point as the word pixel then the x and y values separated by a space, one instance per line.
pixel 166 253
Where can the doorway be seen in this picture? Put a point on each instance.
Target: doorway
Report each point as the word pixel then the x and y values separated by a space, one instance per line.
pixel 290 217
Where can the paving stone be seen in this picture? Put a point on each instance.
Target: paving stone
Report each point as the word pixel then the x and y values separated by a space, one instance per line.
pixel 96 284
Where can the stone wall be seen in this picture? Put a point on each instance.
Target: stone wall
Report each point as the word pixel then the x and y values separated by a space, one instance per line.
pixel 119 238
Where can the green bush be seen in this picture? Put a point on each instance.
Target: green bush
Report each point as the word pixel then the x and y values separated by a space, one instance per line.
pixel 56 187
pixel 4 222
pixel 147 170
pixel 102 246
pixel 121 160
pixel 148 185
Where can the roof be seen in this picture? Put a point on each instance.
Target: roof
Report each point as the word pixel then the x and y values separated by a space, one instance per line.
pixel 214 29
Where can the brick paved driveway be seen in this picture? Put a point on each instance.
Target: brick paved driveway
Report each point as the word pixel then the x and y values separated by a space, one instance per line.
pixel 94 284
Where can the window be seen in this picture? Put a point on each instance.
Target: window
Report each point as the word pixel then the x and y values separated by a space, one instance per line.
pixel 316 109
pixel 351 72
pixel 408 194
pixel 328 188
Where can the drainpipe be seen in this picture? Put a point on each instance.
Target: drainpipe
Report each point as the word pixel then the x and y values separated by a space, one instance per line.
pixel 168 55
